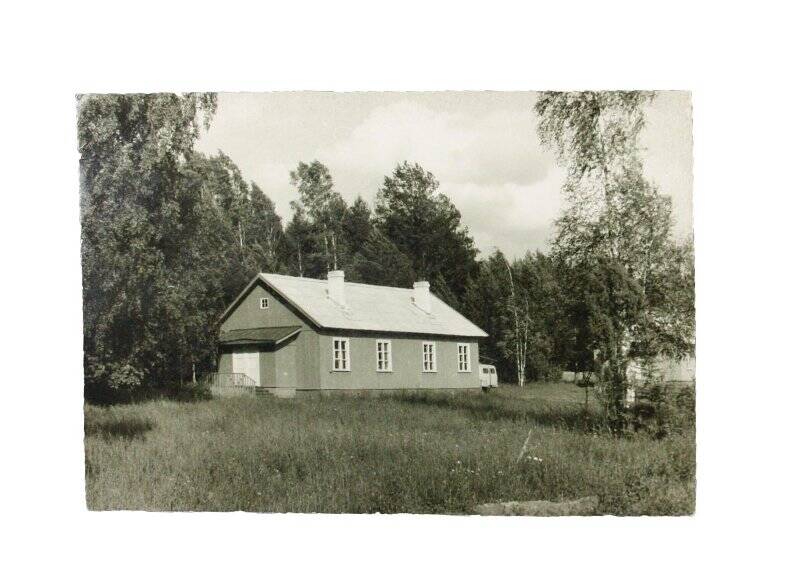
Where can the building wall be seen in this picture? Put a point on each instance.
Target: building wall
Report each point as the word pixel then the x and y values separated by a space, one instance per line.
pixel 266 361
pixel 667 369
pixel 277 366
pixel 301 351
pixel 406 364
pixel 225 365
pixel 305 362
pixel 285 366
pixel 249 315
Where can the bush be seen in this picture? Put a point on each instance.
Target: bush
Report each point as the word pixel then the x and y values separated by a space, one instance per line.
pixel 662 409
pixel 685 400
pixel 541 370
pixel 193 392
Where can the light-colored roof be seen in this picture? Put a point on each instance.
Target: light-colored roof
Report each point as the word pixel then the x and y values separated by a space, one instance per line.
pixel 371 308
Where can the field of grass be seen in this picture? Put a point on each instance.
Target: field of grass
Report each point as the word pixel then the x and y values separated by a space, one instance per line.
pixel 420 454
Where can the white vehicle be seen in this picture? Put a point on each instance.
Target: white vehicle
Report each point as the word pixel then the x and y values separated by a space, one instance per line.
pixel 488 376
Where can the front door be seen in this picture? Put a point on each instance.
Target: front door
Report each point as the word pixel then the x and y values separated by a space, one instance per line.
pixel 246 362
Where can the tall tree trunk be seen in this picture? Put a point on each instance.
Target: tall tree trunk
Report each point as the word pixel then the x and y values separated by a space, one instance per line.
pixel 520 338
pixel 269 247
pixel 325 242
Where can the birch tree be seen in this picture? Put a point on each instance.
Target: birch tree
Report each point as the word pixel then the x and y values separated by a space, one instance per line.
pixel 519 335
pixel 266 232
pixel 323 205
pixel 615 219
pixel 517 340
pixel 137 227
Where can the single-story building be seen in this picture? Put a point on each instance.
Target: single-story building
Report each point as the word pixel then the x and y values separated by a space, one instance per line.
pixel 291 335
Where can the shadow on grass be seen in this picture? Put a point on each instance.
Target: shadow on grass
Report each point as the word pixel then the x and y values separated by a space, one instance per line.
pixel 491 408
pixel 128 428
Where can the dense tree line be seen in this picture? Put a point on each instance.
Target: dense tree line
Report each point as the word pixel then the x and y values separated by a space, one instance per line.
pixel 170 236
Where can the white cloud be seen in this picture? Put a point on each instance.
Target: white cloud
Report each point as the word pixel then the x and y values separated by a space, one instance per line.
pixel 513 217
pixel 482 147
pixel 498 147
pixel 491 167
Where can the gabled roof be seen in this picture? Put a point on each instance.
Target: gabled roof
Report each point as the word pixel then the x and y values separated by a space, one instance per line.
pixel 370 308
pixel 262 335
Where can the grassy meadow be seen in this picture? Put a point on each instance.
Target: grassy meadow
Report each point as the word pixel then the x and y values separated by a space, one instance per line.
pixel 420 454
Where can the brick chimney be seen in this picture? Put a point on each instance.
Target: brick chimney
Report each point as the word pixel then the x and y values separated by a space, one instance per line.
pixel 422 296
pixel 336 287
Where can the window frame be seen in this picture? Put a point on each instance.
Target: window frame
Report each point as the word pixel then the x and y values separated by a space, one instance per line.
pixel 432 368
pixel 344 359
pixel 388 355
pixel 263 304
pixel 468 360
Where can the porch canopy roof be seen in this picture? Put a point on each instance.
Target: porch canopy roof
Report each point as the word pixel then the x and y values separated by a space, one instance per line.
pixel 272 335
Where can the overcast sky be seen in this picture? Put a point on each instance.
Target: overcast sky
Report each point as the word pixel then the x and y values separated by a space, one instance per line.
pixel 481 146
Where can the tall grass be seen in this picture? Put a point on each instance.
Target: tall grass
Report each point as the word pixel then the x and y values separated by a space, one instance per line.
pixel 418 454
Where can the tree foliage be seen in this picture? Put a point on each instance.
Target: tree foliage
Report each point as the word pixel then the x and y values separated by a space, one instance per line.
pixel 616 223
pixel 324 208
pixel 518 303
pixel 426 227
pixel 485 304
pixel 169 237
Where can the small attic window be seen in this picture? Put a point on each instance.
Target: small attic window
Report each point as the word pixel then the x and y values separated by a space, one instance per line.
pixel 263 303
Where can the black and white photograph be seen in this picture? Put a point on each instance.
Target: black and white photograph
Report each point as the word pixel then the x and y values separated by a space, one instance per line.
pixel 399 294
pixel 399 302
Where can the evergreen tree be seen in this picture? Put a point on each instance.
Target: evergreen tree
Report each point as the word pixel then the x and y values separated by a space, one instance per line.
pixel 380 262
pixel 426 227
pixel 301 252
pixel 485 304
pixel 356 227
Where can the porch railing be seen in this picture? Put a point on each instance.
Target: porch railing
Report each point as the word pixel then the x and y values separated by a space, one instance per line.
pixel 230 384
